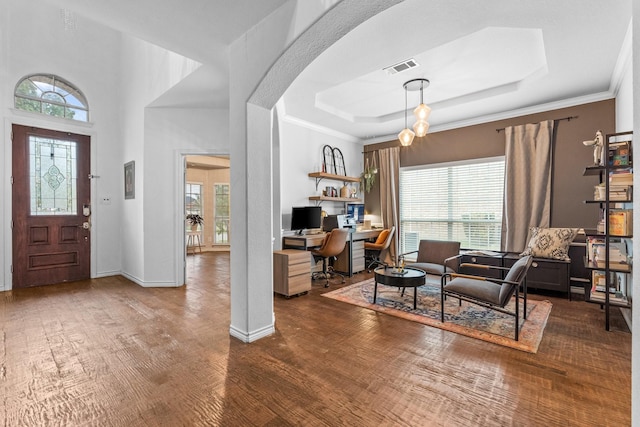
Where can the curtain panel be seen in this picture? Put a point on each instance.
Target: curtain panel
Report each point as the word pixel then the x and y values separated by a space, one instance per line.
pixel 389 161
pixel 527 189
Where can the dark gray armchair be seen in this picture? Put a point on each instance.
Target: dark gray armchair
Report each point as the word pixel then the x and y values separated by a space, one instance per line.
pixel 437 257
pixel 489 292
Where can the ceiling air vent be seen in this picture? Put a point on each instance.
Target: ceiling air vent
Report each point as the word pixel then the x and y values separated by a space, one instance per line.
pixel 401 66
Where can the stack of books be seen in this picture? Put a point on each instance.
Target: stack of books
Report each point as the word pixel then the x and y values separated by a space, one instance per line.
pixel 620 153
pixel 615 298
pixel 596 252
pixel 621 222
pixel 622 177
pixel 616 192
pixel 617 287
pixel 620 192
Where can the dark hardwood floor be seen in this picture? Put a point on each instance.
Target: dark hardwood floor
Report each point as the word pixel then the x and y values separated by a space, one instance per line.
pixel 108 352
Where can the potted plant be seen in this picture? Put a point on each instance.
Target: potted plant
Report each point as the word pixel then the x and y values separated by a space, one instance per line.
pixel 368 176
pixel 195 220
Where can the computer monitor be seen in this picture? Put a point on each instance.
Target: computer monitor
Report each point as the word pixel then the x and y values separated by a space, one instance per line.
pixel 334 221
pixel 356 211
pixel 305 218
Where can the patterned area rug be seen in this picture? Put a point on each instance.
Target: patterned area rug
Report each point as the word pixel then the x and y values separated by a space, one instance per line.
pixel 469 319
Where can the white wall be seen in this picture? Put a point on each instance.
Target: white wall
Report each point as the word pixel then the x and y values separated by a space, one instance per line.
pixel 34 40
pixel 301 153
pixel 170 133
pixel 120 76
pixel 624 98
pixel 150 138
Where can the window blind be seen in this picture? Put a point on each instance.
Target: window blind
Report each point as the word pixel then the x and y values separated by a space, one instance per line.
pixel 460 202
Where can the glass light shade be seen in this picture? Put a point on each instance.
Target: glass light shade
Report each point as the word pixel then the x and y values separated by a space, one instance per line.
pixel 420 128
pixel 422 112
pixel 406 137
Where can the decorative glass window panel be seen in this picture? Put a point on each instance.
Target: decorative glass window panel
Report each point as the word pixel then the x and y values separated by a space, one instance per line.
pixel 53 176
pixel 460 202
pixel 52 96
pixel 193 201
pixel 221 212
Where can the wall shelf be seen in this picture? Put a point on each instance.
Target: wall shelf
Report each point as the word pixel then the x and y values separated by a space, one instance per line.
pixel 319 176
pixel 335 199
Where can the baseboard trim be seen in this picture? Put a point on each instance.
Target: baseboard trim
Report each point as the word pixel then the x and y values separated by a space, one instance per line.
pixel 108 274
pixel 150 284
pixel 249 337
pixel 626 314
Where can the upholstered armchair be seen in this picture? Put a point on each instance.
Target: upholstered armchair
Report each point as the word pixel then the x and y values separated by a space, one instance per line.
pixel 489 292
pixel 436 257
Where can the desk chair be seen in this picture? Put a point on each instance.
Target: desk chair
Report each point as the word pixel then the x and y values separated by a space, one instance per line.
pixel 376 251
pixel 332 245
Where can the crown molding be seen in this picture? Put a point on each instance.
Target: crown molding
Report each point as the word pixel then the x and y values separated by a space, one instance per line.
pixel 315 127
pixel 541 108
pixel 623 62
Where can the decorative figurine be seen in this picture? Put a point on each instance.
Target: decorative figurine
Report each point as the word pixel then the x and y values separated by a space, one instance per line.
pixel 597 144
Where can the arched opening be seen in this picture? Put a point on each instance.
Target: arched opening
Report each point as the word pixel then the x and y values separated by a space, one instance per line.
pixel 251 261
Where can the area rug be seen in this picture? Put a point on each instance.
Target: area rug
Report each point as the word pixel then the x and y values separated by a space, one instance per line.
pixel 469 319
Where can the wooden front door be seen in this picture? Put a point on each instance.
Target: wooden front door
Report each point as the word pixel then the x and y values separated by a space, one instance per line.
pixel 51 207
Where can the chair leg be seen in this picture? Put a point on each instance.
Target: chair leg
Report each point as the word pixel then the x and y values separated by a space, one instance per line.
pixel 324 274
pixel 524 293
pixel 442 281
pixel 332 272
pixel 517 314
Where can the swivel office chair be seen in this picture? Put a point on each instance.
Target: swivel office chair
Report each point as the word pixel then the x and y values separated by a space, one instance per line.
pixel 375 252
pixel 332 245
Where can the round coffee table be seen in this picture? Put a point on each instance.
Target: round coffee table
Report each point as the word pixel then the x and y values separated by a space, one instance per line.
pixel 410 278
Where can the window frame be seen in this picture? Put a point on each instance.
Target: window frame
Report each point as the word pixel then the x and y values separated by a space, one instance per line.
pixel 60 88
pixel 216 217
pixel 200 210
pixel 467 231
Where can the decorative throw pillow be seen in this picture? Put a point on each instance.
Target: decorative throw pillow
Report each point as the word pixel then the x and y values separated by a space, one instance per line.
pixel 550 242
pixel 382 236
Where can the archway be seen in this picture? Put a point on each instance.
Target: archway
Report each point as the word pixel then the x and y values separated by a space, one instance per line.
pixel 251 141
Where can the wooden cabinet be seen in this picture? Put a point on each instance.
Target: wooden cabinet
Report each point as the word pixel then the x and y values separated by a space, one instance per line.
pixel 544 273
pixel 579 276
pixel 291 272
pixel 493 260
pixel 341 263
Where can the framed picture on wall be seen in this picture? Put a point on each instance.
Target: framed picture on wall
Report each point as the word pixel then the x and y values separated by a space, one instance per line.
pixel 130 180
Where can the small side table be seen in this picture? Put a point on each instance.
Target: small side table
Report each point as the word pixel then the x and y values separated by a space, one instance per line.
pixel 411 278
pixel 193 241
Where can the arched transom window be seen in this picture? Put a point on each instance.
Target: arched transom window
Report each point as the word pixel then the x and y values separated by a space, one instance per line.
pixel 51 95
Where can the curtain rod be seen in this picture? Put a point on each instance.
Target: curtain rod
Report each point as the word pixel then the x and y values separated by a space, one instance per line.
pixel 564 118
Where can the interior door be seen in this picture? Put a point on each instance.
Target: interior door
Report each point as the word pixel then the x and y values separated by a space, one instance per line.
pixel 51 207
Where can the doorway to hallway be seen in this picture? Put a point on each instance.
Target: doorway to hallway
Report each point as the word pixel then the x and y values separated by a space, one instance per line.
pixel 207 199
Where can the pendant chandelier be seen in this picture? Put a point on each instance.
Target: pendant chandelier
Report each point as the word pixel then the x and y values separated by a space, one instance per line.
pixel 422 111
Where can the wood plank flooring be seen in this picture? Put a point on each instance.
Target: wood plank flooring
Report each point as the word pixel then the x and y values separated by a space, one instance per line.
pixel 107 352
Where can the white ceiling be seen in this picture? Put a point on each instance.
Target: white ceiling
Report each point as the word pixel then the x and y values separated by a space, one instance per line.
pixel 484 59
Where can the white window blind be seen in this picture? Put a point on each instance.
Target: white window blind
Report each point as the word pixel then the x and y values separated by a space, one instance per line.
pixel 460 202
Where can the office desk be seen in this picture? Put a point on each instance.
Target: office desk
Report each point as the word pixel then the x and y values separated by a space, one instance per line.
pixel 350 261
pixel 305 242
